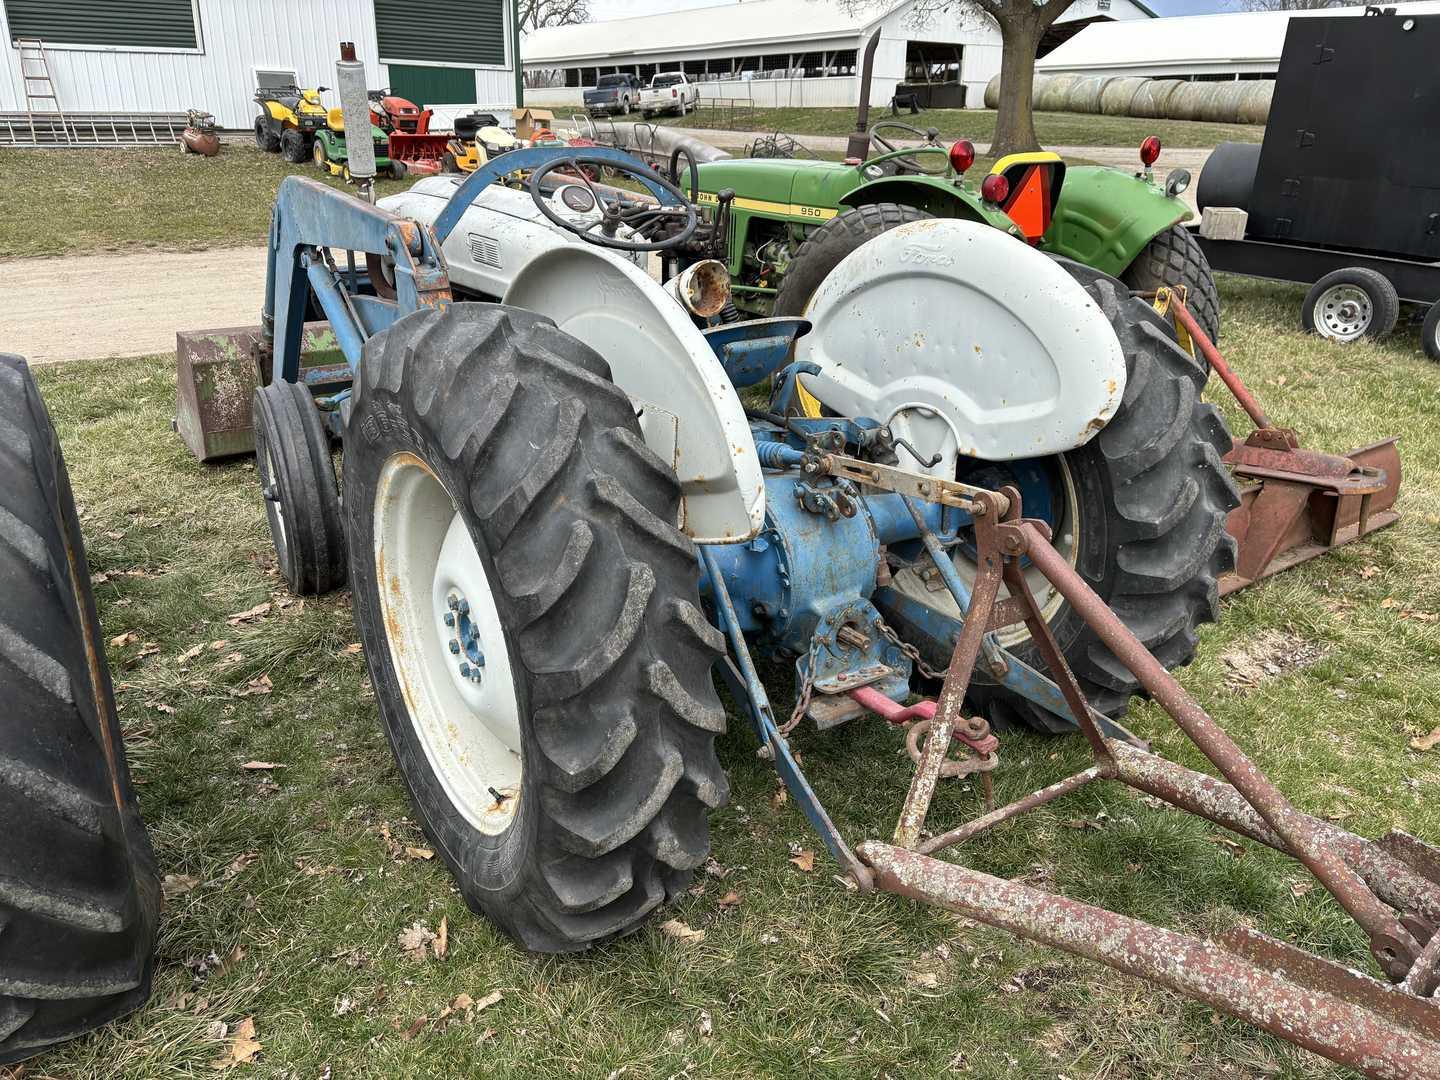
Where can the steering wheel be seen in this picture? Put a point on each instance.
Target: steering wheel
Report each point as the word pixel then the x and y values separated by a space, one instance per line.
pixel 907 163
pixel 645 219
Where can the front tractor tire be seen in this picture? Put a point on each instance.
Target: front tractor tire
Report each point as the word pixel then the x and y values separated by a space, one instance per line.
pixel 532 624
pixel 1174 258
pixel 79 893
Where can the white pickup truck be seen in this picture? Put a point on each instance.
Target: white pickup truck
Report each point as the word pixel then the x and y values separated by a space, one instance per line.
pixel 669 91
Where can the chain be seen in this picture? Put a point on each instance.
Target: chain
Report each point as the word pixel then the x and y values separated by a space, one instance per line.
pixel 807 688
pixel 909 650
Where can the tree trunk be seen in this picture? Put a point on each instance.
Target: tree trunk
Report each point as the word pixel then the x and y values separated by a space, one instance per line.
pixel 1015 120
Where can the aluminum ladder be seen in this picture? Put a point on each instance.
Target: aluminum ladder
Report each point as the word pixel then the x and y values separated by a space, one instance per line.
pixel 35 71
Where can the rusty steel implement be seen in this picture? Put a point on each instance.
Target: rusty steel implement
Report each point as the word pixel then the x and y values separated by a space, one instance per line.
pixel 1390 888
pixel 1295 503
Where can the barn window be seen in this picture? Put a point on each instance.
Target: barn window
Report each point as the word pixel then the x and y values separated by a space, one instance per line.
pixel 121 24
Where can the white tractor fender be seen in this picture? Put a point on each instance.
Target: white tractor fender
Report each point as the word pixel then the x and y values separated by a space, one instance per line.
pixel 965 341
pixel 689 412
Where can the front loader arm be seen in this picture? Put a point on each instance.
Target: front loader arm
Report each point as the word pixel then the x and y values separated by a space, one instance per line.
pixel 308 221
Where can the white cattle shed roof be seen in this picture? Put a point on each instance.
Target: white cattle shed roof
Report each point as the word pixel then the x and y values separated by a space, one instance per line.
pixel 728 26
pixel 756 25
pixel 1248 41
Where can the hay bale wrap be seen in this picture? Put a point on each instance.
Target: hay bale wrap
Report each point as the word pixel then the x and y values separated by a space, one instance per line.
pixel 1117 99
pixel 1057 90
pixel 1152 99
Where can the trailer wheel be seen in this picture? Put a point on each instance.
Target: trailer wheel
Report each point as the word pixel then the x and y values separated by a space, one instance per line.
pixel 532 624
pixel 1140 511
pixel 265 139
pixel 292 147
pixel 79 896
pixel 1430 332
pixel 297 478
pixel 1349 304
pixel 1174 257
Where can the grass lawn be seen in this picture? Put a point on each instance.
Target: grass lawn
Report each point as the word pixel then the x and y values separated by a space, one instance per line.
pixel 71 202
pixel 1053 129
pixel 292 886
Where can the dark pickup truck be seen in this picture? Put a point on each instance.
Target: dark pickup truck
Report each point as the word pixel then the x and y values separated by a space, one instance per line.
pixel 613 94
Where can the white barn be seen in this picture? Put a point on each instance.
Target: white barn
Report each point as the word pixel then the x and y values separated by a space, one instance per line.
pixel 1235 45
pixel 786 53
pixel 172 55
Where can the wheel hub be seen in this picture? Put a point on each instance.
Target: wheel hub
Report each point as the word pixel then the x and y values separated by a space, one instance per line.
pixel 1343 313
pixel 464 644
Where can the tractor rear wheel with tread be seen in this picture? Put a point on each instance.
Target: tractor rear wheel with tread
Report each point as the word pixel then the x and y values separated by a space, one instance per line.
pixel 1174 258
pixel 827 246
pixel 532 624
pixel 1143 514
pixel 79 895
pixel 297 479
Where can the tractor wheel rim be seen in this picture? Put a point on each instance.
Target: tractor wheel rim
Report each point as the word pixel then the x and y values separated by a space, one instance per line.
pixel 272 496
pixel 447 644
pixel 1343 312
pixel 1066 541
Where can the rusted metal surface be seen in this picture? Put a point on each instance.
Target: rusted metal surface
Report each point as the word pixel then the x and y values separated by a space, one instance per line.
pixel 1335 1019
pixel 1295 503
pixel 974 828
pixel 1392 879
pixel 1390 942
pixel 216 373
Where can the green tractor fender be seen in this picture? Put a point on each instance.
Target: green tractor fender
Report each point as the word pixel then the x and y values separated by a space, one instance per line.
pixel 333 142
pixel 937 196
pixel 1104 217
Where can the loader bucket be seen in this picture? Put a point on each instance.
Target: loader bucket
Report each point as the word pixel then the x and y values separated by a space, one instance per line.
pixel 217 372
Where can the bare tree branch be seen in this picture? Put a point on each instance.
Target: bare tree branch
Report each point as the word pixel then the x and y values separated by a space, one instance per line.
pixel 537 13
pixel 1292 5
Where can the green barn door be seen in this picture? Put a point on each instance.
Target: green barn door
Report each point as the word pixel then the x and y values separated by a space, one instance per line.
pixel 428 86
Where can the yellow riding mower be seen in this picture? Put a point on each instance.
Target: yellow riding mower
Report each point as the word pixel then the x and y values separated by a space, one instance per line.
pixel 288 121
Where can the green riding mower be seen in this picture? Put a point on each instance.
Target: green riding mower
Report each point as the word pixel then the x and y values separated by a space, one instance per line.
pixel 289 120
pixel 331 153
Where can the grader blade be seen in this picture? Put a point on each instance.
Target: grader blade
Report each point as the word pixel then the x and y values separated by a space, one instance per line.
pixel 1295 503
pixel 1385 1027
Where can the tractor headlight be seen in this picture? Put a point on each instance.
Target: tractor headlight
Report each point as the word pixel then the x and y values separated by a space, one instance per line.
pixel 1177 182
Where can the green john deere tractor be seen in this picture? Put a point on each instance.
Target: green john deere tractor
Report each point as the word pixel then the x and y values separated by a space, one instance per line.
pixel 793 221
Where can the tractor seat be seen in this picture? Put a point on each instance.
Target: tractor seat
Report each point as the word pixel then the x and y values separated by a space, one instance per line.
pixel 335 119
pixel 1035 180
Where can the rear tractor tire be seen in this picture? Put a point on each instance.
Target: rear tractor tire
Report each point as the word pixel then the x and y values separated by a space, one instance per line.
pixel 532 624
pixel 1139 511
pixel 1174 258
pixel 79 896
pixel 297 479
pixel 827 246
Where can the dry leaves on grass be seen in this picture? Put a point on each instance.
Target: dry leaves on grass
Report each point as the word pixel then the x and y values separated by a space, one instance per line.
pixel 730 900
pixel 191 653
pixel 178 885
pixel 1425 743
pixel 804 859
pixel 243 1048
pixel 259 611
pixel 261 766
pixel 261 684
pixel 417 941
pixel 1268 655
pixel 119 641
pixel 674 928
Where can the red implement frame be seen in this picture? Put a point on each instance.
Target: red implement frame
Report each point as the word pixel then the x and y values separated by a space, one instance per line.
pixel 1295 504
pixel 422 153
pixel 1388 1029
